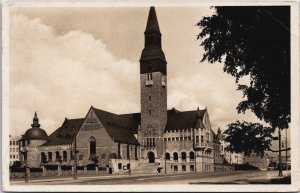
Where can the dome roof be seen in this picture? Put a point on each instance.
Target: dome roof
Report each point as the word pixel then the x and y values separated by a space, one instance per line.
pixel 35 133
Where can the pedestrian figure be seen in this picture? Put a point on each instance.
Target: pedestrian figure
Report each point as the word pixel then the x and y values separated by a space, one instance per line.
pixel 159 169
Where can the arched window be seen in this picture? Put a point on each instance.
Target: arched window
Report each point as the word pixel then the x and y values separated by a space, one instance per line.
pixel 65 155
pixel 183 156
pixel 192 155
pixel 57 156
pixel 119 166
pixel 175 156
pixel 167 156
pixel 43 157
pixel 49 156
pixel 92 146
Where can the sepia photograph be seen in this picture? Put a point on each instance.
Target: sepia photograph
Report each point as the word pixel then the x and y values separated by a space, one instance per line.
pixel 169 97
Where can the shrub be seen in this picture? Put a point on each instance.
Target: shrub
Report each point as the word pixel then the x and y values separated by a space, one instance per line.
pixel 65 167
pixel 36 170
pixel 51 167
pixel 92 166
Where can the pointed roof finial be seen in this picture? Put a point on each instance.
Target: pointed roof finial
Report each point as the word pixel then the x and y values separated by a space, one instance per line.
pixel 152 23
pixel 198 112
pixel 35 122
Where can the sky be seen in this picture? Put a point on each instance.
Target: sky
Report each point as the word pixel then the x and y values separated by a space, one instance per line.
pixel 64 60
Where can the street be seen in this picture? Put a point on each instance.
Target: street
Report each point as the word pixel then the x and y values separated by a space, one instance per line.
pixel 237 177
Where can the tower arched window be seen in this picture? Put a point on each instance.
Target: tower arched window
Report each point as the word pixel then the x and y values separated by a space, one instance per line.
pixel 183 156
pixel 92 146
pixel 175 156
pixel 167 156
pixel 192 155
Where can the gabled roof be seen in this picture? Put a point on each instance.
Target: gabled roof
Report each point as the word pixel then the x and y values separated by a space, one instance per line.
pixel 65 134
pixel 184 120
pixel 121 128
pixel 215 137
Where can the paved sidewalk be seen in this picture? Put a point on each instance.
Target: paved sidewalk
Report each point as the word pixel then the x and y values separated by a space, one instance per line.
pixel 82 178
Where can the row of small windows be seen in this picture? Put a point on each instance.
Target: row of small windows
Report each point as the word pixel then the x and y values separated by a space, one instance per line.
pixel 14 149
pixel 13 143
pixel 150 142
pixel 184 138
pixel 183 168
pixel 185 130
pixel 183 156
pixel 14 156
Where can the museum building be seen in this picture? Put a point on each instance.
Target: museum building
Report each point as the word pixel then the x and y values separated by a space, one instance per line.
pixel 177 141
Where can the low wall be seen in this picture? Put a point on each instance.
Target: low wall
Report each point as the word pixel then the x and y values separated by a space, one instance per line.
pixel 49 173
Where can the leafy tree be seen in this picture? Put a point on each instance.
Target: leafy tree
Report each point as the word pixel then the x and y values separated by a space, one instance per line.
pixel 245 137
pixel 254 43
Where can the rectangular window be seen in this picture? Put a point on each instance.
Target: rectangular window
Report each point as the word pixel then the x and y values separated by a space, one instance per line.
pixel 165 139
pixel 177 138
pixel 13 142
pixel 9 142
pixel 153 141
pixel 10 156
pixel 175 168
pixel 191 168
pixel 149 76
pixel 17 143
pixel 181 138
pixel 202 140
pixel 197 140
pixel 173 138
pixel 149 98
pixel 14 156
pixel 169 139
pixel 183 168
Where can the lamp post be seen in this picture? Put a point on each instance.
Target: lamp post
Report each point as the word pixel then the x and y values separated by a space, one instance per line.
pixel 286 152
pixel 280 162
pixel 165 145
pixel 129 151
pixel 26 170
pixel 75 154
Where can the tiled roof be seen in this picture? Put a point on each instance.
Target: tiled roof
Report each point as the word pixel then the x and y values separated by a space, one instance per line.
pixel 183 120
pixel 121 128
pixel 64 135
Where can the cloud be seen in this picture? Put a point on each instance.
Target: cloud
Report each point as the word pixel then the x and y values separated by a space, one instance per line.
pixel 64 75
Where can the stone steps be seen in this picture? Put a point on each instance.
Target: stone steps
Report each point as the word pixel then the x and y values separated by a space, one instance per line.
pixel 145 168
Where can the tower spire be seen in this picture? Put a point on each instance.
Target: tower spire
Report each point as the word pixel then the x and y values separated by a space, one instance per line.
pixel 153 58
pixel 152 23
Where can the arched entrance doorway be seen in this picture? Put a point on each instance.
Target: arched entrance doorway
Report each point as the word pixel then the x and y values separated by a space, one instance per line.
pixel 151 157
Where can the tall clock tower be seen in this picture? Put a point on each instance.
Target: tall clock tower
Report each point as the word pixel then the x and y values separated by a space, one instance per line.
pixel 153 80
